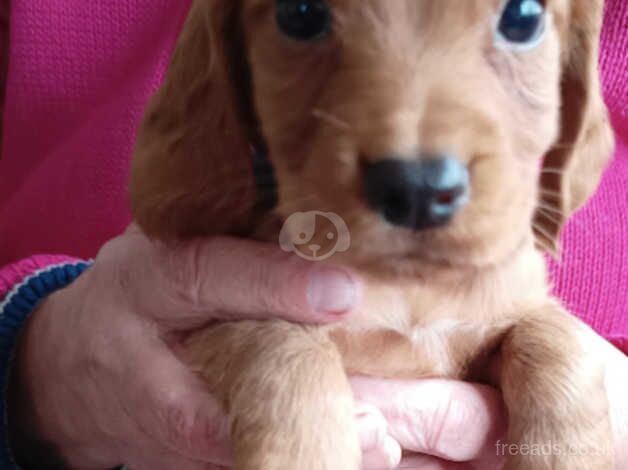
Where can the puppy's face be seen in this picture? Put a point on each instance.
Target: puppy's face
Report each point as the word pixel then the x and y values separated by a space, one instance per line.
pixel 421 123
pixel 437 130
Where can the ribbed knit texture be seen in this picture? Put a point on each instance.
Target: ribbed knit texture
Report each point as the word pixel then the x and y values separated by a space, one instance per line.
pixel 15 273
pixel 80 75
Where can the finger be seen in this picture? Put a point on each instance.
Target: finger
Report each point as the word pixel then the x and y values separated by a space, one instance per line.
pixel 372 426
pixel 386 456
pixel 456 421
pixel 380 451
pixel 171 405
pixel 245 279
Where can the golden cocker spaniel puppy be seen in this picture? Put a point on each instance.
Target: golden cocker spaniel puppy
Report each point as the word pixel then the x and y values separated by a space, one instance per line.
pixel 453 138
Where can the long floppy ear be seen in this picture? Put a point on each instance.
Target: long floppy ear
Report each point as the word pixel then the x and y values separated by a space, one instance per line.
pixel 573 168
pixel 192 170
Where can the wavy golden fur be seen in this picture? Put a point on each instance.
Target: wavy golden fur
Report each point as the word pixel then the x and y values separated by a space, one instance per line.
pixel 469 300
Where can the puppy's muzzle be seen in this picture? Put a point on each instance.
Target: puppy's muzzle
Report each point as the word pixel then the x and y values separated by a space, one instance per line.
pixel 418 194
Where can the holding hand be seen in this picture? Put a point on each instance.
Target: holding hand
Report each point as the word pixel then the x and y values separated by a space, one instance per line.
pixel 450 425
pixel 115 391
pixel 97 381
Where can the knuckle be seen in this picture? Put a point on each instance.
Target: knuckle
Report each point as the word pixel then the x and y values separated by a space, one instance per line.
pixel 182 268
pixel 98 358
pixel 179 422
pixel 188 429
pixel 444 423
pixel 450 426
pixel 267 291
pixel 282 287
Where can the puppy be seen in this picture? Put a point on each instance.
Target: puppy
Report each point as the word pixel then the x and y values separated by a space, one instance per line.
pixel 453 138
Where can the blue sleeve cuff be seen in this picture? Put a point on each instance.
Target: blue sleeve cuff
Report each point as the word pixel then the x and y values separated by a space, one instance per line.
pixel 14 311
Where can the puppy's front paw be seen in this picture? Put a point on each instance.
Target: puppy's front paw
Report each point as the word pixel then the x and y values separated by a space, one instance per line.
pixel 554 390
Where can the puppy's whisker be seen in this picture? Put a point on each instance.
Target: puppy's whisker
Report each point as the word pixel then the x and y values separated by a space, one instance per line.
pixel 548 208
pixel 549 216
pixel 544 247
pixel 552 171
pixel 563 147
pixel 562 172
pixel 331 119
pixel 556 216
pixel 546 244
pixel 548 192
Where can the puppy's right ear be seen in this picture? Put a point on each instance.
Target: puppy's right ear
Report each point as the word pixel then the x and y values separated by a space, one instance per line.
pixel 573 168
pixel 192 171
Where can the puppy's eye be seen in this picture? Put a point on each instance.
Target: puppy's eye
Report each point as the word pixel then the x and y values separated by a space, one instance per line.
pixel 304 20
pixel 522 22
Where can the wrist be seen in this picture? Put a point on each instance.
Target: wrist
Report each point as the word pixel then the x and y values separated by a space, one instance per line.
pixel 27 436
pixel 17 391
pixel 44 400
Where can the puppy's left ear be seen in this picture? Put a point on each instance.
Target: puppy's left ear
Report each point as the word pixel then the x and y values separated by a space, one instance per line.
pixel 193 172
pixel 573 168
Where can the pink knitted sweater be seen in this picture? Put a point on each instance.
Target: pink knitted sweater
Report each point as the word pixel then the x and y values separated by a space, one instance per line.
pixel 80 74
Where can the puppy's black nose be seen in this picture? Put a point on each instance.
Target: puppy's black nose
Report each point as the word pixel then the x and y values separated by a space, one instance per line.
pixel 417 194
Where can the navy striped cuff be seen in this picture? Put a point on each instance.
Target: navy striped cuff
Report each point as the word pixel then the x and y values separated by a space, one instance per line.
pixel 14 311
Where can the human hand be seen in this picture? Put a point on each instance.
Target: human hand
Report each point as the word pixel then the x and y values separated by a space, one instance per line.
pixel 99 383
pixel 96 377
pixel 451 425
pixel 438 423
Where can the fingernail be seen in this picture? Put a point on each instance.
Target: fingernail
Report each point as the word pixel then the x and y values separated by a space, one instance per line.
pixel 331 290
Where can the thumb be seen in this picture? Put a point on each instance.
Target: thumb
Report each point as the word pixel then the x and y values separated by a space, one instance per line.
pixel 456 421
pixel 230 278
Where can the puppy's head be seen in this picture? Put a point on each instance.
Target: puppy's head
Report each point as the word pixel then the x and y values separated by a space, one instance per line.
pixel 436 130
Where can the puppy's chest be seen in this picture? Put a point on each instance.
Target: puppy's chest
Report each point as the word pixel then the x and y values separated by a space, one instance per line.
pixel 412 331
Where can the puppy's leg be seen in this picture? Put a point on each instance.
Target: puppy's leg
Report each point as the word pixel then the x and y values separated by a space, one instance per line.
pixel 553 387
pixel 286 393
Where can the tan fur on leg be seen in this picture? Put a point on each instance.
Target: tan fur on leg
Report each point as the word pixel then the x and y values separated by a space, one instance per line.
pixel 286 393
pixel 553 389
